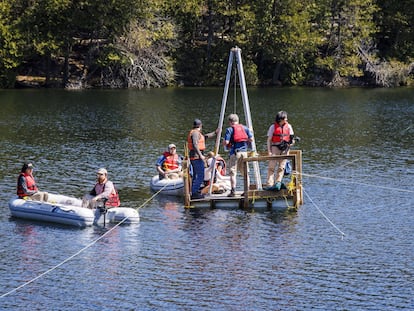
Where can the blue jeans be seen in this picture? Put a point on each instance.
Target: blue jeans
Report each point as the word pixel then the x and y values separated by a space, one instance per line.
pixel 198 175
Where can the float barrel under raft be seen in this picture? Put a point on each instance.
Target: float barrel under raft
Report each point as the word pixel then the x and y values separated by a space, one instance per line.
pixel 252 197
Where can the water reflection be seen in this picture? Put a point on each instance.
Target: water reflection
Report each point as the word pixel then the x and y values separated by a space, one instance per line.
pixel 204 259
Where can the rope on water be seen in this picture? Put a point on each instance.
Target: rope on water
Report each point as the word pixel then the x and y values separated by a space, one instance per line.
pixel 60 264
pixel 80 251
pixel 326 217
pixel 151 197
pixel 358 183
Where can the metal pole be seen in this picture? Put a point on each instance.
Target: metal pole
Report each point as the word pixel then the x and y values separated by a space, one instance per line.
pixel 221 120
pixel 247 114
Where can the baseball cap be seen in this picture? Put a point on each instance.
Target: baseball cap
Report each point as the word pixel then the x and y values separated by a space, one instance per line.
pixel 197 122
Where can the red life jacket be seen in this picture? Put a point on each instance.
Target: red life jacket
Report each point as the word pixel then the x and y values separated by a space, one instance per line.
pixel 281 133
pixel 170 162
pixel 30 183
pixel 113 199
pixel 239 133
pixel 220 160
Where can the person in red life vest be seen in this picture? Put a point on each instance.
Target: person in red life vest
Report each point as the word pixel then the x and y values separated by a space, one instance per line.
pixel 196 145
pixel 104 190
pixel 280 137
pixel 237 138
pixel 26 185
pixel 169 164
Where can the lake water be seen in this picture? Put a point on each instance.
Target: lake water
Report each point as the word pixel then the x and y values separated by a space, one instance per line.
pixel 349 247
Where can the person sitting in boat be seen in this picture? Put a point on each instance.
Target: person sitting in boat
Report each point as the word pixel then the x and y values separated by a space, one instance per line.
pixel 103 193
pixel 26 185
pixel 220 184
pixel 169 164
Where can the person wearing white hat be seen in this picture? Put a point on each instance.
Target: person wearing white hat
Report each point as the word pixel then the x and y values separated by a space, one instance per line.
pixel 169 164
pixel 103 191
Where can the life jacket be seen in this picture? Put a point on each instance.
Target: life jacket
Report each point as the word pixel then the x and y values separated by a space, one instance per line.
pixel 201 143
pixel 170 162
pixel 113 199
pixel 281 133
pixel 220 160
pixel 239 133
pixel 30 183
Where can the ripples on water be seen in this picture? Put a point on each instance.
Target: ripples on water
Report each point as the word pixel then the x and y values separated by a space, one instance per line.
pixel 221 259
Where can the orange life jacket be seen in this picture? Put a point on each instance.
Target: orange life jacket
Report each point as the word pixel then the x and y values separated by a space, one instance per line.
pixel 281 133
pixel 30 183
pixel 170 162
pixel 201 143
pixel 239 133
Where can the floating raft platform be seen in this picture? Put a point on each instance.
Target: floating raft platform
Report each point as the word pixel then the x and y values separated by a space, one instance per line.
pixel 253 197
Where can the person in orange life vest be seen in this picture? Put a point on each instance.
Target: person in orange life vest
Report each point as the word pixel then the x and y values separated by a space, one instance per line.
pixel 169 164
pixel 103 190
pixel 237 137
pixel 279 139
pixel 26 185
pixel 196 145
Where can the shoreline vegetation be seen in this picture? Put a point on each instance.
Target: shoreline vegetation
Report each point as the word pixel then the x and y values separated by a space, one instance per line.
pixel 153 44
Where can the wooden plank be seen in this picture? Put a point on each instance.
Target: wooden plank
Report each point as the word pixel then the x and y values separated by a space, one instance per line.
pixel 246 185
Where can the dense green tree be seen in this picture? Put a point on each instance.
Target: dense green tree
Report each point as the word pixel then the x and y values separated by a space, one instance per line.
pixel 395 20
pixel 51 28
pixel 124 43
pixel 286 40
pixel 140 58
pixel 347 25
pixel 10 45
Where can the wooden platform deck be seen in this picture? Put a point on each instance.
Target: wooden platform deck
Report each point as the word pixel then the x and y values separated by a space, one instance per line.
pixel 252 197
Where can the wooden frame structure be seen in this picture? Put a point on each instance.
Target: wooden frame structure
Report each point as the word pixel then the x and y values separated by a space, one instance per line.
pixel 253 193
pixel 253 196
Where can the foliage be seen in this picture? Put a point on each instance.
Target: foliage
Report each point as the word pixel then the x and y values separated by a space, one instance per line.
pixel 123 43
pixel 10 43
pixel 395 20
pixel 141 60
pixel 350 26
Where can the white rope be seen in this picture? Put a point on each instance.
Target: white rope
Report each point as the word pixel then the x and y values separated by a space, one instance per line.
pixel 80 251
pixel 358 183
pixel 58 265
pixel 326 217
pixel 339 166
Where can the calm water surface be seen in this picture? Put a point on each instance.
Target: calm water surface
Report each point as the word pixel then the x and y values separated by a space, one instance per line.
pixel 349 247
